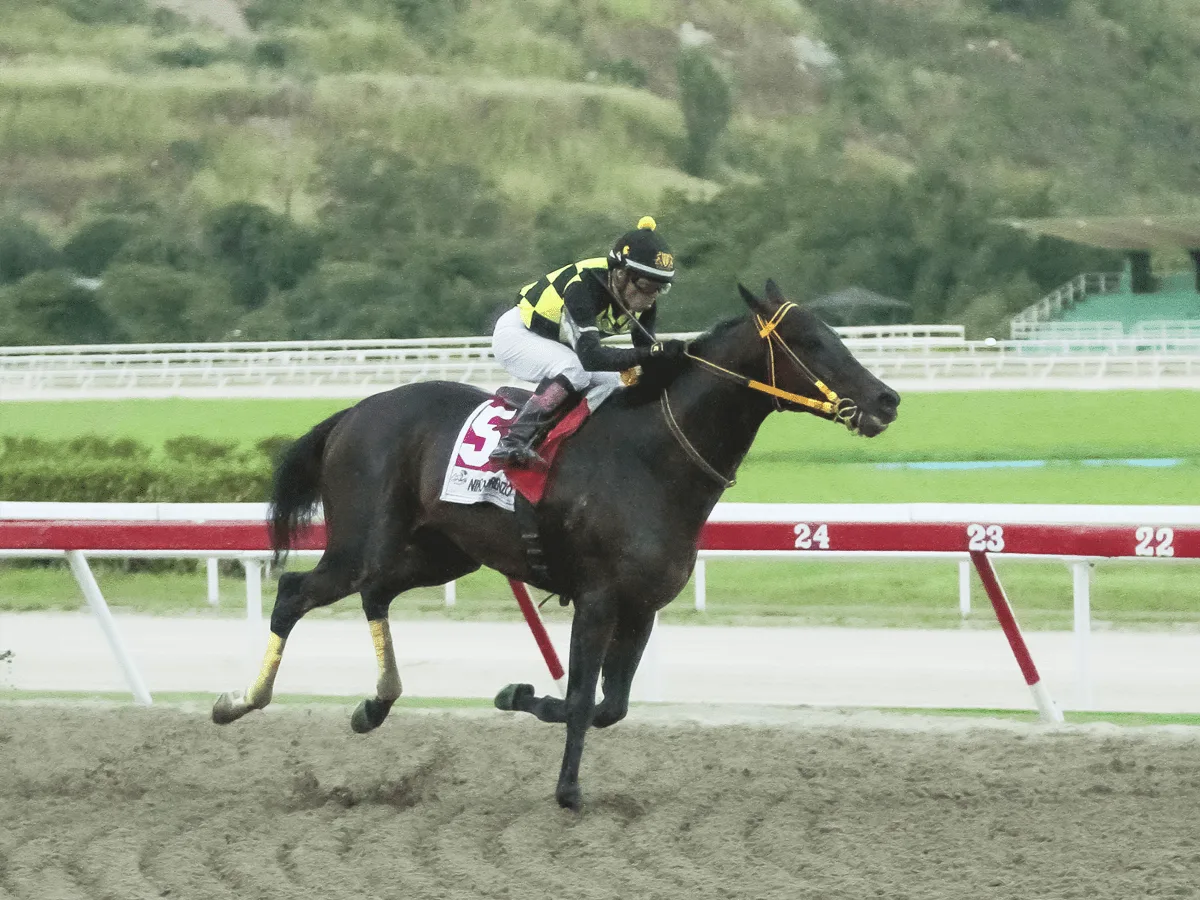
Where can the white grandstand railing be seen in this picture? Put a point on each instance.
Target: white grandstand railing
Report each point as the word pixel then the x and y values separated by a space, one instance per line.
pixel 1166 329
pixel 1050 307
pixel 911 358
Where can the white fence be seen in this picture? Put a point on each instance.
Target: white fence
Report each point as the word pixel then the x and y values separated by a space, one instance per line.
pixel 1027 321
pixel 910 358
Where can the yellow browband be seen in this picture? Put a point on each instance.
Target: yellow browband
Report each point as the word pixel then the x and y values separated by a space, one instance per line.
pixel 766 330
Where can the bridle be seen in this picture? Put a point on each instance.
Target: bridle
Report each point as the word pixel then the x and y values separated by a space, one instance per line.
pixel 838 409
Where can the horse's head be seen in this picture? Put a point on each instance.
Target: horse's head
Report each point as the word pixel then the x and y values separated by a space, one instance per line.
pixel 810 360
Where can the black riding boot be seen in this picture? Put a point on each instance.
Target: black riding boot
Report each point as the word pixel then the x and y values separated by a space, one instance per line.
pixel 533 422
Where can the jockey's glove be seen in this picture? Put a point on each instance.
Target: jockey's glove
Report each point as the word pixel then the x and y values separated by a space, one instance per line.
pixel 668 351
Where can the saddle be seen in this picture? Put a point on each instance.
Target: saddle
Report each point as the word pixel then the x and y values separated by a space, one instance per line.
pixel 513 396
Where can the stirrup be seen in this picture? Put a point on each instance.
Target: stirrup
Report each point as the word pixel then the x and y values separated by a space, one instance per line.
pixel 520 456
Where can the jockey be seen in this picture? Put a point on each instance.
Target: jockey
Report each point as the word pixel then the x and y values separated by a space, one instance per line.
pixel 552 336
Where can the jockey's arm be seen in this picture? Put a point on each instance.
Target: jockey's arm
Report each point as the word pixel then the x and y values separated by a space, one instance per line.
pixel 596 357
pixel 582 303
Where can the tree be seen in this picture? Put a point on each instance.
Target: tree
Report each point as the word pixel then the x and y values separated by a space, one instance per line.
pixel 24 249
pixel 52 308
pixel 93 246
pixel 707 105
pixel 260 250
pixel 156 303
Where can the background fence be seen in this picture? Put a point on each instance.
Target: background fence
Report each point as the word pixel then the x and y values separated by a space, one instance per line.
pixel 908 357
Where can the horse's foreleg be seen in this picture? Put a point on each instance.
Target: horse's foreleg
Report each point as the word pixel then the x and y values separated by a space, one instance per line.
pixel 620 665
pixel 520 698
pixel 591 632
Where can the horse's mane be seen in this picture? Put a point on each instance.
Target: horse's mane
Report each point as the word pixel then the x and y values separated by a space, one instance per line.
pixel 653 383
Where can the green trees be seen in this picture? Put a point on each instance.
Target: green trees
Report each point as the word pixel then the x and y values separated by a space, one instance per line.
pixel 52 308
pixel 24 248
pixel 707 104
pixel 259 250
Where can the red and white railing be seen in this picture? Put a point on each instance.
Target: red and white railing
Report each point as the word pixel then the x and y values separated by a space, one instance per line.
pixel 972 533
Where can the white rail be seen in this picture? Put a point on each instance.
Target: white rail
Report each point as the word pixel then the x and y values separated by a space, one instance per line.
pixel 911 358
pixel 1026 322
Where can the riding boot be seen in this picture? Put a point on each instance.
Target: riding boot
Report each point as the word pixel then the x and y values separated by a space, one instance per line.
pixel 533 423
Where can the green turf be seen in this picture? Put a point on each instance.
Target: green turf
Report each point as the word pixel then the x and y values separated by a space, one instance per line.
pixel 955 426
pixel 874 593
pixel 154 421
pixel 762 481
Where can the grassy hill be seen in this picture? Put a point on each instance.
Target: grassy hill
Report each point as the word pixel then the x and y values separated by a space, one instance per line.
pixel 571 112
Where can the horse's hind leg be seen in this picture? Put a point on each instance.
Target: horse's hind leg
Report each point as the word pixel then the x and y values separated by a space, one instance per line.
pixel 429 560
pixel 620 663
pixel 591 632
pixel 370 714
pixel 330 581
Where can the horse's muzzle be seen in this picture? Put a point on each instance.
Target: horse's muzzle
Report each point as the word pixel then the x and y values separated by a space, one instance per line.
pixel 868 425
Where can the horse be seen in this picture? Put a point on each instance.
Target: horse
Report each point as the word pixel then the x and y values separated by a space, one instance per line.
pixel 620 519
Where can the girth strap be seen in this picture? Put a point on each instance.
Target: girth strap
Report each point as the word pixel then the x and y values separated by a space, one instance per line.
pixel 535 554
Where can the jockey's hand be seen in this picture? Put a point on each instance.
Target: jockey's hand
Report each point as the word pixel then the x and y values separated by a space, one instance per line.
pixel 668 351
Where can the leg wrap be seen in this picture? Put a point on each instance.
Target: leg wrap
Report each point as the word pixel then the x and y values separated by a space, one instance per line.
pixel 388 687
pixel 259 694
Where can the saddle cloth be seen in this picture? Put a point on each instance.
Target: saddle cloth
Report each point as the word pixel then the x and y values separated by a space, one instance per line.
pixel 472 478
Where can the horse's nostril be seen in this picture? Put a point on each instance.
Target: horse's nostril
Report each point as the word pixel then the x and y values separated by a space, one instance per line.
pixel 889 399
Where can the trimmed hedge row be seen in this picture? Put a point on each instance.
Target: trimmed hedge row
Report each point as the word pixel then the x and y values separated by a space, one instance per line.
pixel 99 470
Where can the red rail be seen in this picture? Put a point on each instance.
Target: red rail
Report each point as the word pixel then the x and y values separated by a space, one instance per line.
pixel 1115 541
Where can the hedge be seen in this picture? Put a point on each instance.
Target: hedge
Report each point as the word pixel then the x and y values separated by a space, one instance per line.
pixel 98 470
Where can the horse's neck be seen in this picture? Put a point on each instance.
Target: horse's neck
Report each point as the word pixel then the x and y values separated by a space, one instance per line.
pixel 719 418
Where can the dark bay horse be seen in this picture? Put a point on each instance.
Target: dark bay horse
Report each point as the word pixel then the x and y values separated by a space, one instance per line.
pixel 620 520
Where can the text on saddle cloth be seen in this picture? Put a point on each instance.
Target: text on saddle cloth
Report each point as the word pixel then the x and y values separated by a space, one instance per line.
pixel 472 478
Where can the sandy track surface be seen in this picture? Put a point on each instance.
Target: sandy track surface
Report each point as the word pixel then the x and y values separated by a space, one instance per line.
pixel 119 802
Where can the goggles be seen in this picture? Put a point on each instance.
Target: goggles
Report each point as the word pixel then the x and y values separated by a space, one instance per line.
pixel 649 287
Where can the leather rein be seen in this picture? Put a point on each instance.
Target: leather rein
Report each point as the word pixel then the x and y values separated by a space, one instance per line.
pixel 838 409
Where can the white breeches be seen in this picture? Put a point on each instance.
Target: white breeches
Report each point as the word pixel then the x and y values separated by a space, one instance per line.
pixel 531 357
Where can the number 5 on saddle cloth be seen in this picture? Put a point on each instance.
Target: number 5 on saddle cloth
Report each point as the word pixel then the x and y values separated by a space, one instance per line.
pixel 472 478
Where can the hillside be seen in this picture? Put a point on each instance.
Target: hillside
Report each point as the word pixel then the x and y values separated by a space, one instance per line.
pixel 260 168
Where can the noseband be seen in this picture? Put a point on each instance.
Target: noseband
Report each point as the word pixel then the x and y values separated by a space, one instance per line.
pixel 838 409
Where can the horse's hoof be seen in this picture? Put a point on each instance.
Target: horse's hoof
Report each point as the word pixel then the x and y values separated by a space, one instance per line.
pixel 360 719
pixel 229 707
pixel 514 697
pixel 369 715
pixel 569 797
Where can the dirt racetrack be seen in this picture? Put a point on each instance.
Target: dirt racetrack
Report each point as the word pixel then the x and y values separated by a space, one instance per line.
pixel 126 803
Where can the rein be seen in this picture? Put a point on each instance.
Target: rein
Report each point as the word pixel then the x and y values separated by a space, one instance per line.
pixel 839 409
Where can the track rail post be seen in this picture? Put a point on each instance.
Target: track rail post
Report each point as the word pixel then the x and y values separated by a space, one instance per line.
pixel 533 619
pixel 1047 709
pixel 91 592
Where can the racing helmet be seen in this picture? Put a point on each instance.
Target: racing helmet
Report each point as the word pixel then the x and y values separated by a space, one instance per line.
pixel 644 253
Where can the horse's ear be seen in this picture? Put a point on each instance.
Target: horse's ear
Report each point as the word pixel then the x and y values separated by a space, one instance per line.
pixel 750 300
pixel 774 294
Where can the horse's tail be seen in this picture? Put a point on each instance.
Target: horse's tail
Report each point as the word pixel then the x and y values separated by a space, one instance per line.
pixel 296 489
